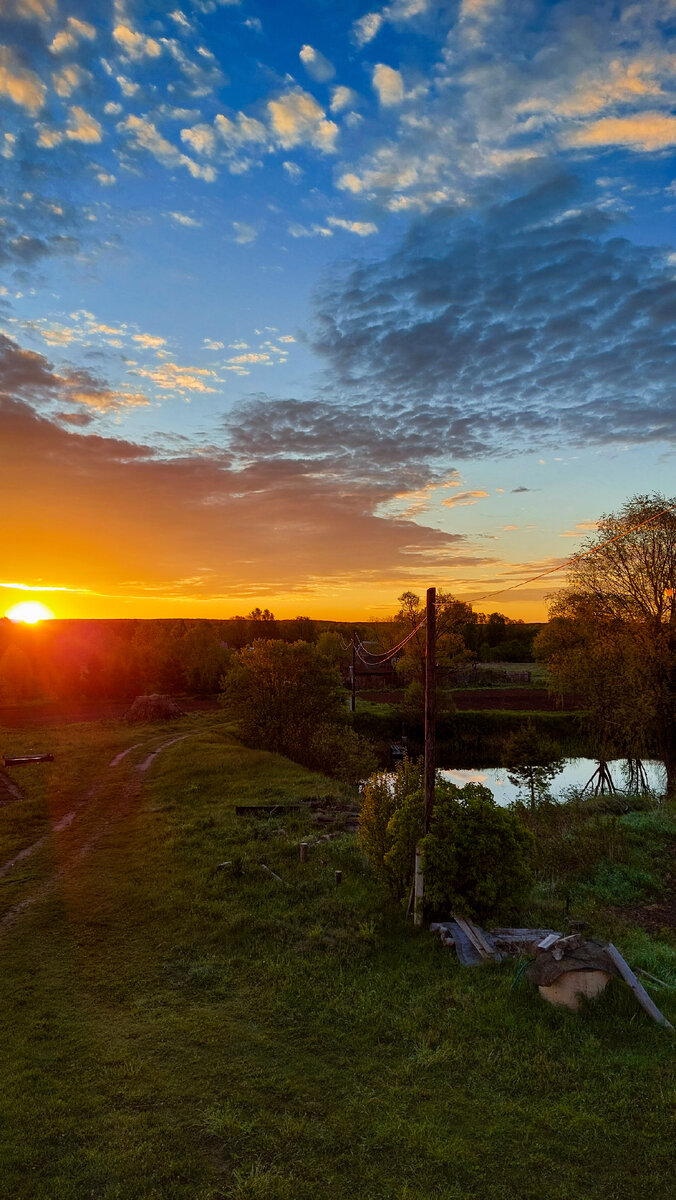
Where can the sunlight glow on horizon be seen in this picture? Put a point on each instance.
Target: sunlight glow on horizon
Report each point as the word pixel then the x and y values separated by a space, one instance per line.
pixel 29 612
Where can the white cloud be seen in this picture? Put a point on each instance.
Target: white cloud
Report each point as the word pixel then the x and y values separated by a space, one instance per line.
pixel 297 118
pixel 361 228
pixel 301 231
pixel 389 85
pixel 82 126
pixel 20 84
pixel 254 23
pixel 68 79
pixel 365 29
pixel 74 32
pixel 112 108
pixel 127 86
pixel 286 338
pixel 180 19
pixel 645 131
pixel 149 341
pixel 180 218
pixel 145 136
pixel 8 145
pixel 342 98
pixel 244 234
pixel 293 170
pixel 317 66
pixel 173 378
pixel 201 139
pixel 136 45
pixel 37 10
pixel 211 345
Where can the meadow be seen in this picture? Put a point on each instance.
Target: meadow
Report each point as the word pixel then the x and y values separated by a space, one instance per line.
pixel 176 1028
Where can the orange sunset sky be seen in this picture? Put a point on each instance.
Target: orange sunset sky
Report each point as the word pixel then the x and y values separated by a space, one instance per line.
pixel 303 306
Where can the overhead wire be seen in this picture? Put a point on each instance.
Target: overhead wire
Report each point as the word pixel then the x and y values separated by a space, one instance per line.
pixel 379 659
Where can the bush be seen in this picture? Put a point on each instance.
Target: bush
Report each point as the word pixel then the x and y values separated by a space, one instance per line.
pixel 475 855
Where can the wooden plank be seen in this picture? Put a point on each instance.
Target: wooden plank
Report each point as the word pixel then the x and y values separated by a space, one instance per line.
pixel 25 759
pixel 637 988
pixel 467 953
pixel 470 931
pixel 549 940
pixel 266 810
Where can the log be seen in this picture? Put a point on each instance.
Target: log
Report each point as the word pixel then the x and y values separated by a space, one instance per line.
pixel 636 986
pixel 266 810
pixel 24 760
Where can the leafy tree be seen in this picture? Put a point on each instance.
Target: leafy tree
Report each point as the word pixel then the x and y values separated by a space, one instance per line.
pixel 533 760
pixel 612 633
pixel 288 698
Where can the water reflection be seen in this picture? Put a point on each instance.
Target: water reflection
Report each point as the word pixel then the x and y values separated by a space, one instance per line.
pixel 575 774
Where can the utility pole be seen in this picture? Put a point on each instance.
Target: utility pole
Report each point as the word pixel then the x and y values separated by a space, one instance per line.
pixel 430 701
pixel 430 717
pixel 353 697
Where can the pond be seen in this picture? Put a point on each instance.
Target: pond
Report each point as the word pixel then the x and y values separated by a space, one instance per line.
pixel 575 774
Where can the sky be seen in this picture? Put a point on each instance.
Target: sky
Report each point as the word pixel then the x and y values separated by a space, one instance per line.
pixel 307 303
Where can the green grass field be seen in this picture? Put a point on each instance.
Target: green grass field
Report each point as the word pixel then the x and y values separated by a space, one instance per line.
pixel 171 1030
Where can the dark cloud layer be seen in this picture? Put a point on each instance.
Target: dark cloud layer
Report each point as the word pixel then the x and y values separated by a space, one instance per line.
pixel 531 325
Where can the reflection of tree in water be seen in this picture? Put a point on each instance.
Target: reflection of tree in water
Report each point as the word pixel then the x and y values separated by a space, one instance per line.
pixel 600 783
pixel 636 778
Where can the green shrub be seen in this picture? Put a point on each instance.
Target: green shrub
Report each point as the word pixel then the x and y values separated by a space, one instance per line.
pixel 384 795
pixel 476 855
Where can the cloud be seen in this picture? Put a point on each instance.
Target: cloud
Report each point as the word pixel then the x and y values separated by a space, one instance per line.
pixel 462 499
pixel 317 66
pixel 212 345
pixel 244 234
pixel 527 325
pixel 343 98
pixel 647 131
pixel 144 135
pixel 296 118
pixel 389 85
pixel 29 376
pixel 278 525
pixel 67 80
pixel 19 83
pixel 82 127
pixel 367 27
pixel 134 45
pixel 175 379
pixel 148 340
pixel 74 32
pixel 361 228
pixel 180 218
pixel 36 10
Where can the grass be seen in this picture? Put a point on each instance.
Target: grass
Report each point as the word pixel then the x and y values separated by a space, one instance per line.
pixel 179 1031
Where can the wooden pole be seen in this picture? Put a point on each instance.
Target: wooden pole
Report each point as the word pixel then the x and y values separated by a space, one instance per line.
pixel 353 697
pixel 430 702
pixel 430 715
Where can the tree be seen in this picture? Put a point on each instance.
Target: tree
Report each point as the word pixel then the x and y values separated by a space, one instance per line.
pixel 288 698
pixel 533 760
pixel 612 632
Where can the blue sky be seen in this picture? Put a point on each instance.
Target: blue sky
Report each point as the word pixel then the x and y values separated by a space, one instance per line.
pixel 309 303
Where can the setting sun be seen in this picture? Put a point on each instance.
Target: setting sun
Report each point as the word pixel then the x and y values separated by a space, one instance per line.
pixel 30 612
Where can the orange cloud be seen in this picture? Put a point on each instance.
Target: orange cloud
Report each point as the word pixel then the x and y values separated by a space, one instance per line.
pixel 646 131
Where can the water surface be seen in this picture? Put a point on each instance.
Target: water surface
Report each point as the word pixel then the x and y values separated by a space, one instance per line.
pixel 575 774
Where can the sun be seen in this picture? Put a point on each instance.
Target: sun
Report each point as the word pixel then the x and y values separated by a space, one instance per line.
pixel 30 612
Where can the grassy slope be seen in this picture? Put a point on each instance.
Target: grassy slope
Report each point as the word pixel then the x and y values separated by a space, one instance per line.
pixel 177 1031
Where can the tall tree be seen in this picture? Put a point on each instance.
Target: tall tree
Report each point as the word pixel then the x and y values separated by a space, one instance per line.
pixel 612 633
